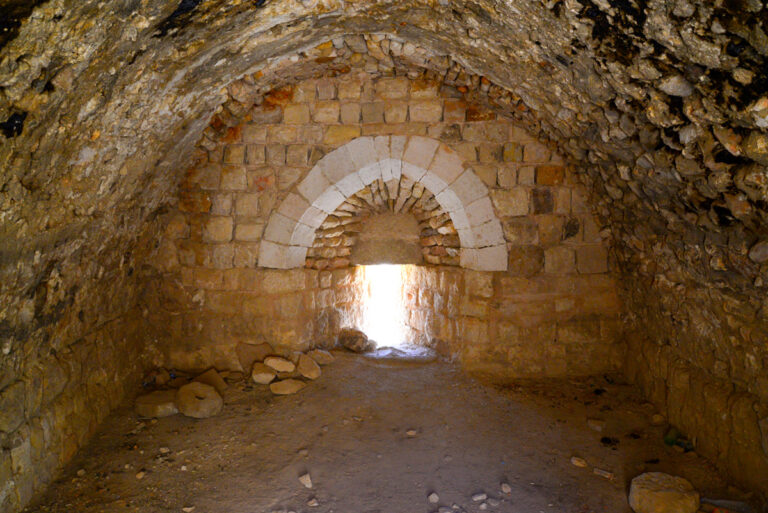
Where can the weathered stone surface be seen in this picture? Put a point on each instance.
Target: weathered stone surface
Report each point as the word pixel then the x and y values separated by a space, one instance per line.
pixel 286 386
pixel 161 403
pixel 12 407
pixel 199 401
pixel 262 374
pixel 308 367
pixel 656 492
pixel 355 341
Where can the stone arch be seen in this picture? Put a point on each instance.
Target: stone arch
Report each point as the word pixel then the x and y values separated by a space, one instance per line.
pixel 343 172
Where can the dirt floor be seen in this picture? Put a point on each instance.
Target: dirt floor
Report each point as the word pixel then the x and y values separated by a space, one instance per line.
pixel 380 437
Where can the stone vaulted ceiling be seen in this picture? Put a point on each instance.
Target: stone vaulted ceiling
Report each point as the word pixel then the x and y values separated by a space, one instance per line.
pixel 662 105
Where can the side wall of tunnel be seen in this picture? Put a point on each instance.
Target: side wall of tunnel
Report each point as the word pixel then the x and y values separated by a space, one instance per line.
pixel 556 299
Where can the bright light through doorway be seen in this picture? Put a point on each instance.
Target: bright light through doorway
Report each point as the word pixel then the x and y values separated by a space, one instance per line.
pixel 384 310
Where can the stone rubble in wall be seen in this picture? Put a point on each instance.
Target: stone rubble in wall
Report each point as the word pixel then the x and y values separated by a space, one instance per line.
pixel 337 235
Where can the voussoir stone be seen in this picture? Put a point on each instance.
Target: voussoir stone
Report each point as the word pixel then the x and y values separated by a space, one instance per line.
pixel 262 374
pixel 279 364
pixel 286 386
pixel 308 367
pixel 199 400
pixel 657 492
pixel 161 403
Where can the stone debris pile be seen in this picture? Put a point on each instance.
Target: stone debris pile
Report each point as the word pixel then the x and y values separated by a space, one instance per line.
pixel 285 372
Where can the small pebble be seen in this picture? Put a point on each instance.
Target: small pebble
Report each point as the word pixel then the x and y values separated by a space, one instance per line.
pixel 478 497
pixel 505 488
pixel 578 462
pixel 81 472
pixel 306 480
pixel 483 506
pixel 303 452
pixel 140 475
pixel 603 473
pixel 164 450
pixel 433 498
pixel 411 432
pixel 188 509
pixel 312 503
pixel 183 468
pixel 493 502
pixel 657 419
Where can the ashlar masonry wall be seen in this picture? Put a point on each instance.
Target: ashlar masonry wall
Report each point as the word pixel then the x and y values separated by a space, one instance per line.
pixel 553 312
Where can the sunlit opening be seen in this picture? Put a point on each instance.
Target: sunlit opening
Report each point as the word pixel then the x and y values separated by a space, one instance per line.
pixel 383 309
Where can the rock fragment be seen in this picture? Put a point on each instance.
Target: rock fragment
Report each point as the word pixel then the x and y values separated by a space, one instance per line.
pixel 306 480
pixel 199 400
pixel 759 252
pixel 656 492
pixel 433 498
pixel 286 386
pixel 161 403
pixel 308 368
pixel 355 341
pixel 212 378
pixel 279 364
pixel 262 374
pixel 321 356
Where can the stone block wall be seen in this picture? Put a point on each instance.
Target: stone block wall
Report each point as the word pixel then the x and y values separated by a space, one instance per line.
pixel 72 350
pixel 543 325
pixel 705 375
pixel 554 312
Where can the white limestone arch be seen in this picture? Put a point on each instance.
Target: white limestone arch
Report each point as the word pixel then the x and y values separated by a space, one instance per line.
pixel 343 172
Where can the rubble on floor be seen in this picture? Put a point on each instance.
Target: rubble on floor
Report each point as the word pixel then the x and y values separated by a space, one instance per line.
pixel 283 371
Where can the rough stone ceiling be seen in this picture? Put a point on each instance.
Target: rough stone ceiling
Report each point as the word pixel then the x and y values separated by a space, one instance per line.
pixel 662 103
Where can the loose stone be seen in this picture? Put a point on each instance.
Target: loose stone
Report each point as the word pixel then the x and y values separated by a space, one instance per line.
pixel 308 368
pixel 262 374
pixel 199 400
pixel 279 364
pixel 161 403
pixel 306 480
pixel 286 386
pixel 656 492
pixel 321 356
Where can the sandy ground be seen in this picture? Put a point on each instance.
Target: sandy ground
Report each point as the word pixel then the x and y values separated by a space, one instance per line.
pixel 379 437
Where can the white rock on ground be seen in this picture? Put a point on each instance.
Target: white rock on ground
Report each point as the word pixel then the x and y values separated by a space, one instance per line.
pixel 656 492
pixel 306 480
pixel 262 374
pixel 321 356
pixel 279 364
pixel 161 403
pixel 433 498
pixel 199 400
pixel 308 368
pixel 287 386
